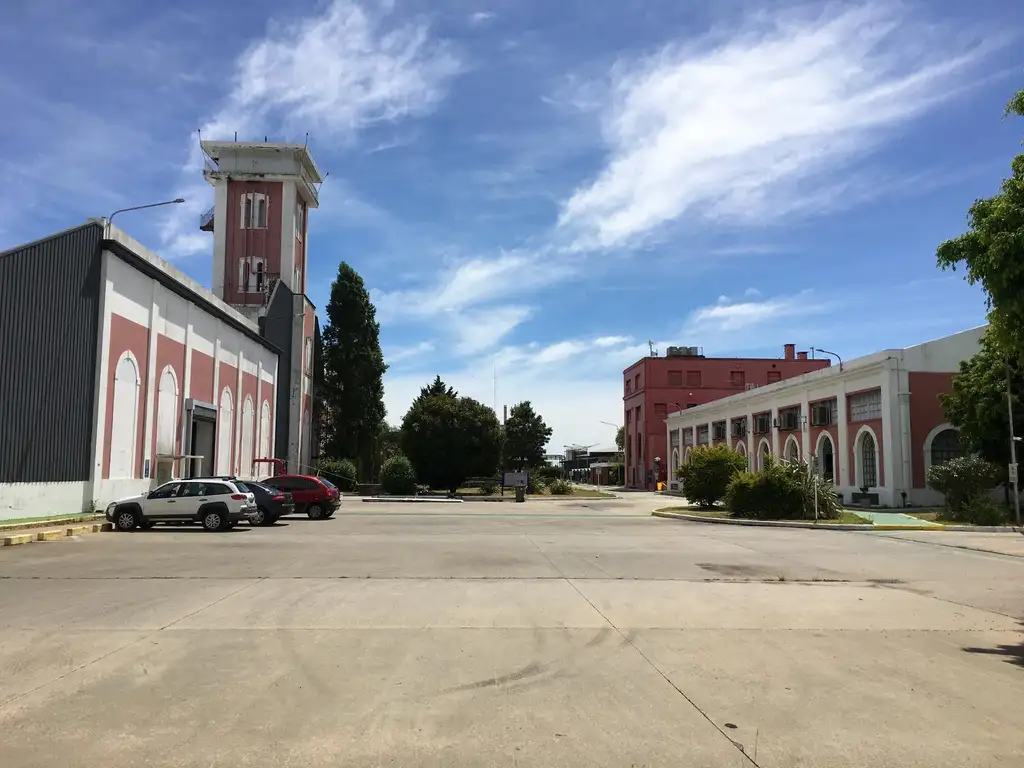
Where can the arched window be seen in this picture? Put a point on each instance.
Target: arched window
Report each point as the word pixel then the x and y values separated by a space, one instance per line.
pixel 826 457
pixel 792 450
pixel 254 210
pixel 868 460
pixel 225 431
pixel 763 452
pixel 264 432
pixel 124 421
pixel 167 412
pixel 248 426
pixel 946 446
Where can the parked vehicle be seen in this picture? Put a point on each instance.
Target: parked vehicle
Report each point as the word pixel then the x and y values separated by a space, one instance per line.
pixel 271 503
pixel 317 497
pixel 216 502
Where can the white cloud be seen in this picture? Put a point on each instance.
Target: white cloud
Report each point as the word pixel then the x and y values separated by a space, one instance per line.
pixel 481 17
pixel 401 354
pixel 471 298
pixel 749 127
pixel 333 74
pixel 749 323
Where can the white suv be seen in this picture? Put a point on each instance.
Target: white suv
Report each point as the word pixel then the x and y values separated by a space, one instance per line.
pixel 216 502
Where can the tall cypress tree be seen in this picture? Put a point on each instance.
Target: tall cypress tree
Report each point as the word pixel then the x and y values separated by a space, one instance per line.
pixel 353 392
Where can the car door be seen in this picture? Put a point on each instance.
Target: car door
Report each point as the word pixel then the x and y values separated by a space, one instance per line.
pixel 193 495
pixel 160 504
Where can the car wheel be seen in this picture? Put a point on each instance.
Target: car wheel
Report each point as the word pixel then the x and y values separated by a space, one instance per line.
pixel 259 517
pixel 315 512
pixel 213 521
pixel 125 520
pixel 145 524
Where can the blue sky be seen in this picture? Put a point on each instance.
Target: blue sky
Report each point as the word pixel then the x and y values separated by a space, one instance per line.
pixel 533 190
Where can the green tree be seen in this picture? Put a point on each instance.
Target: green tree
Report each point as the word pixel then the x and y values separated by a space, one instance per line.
pixel 449 439
pixel 526 437
pixel 397 477
pixel 388 443
pixel 620 439
pixel 354 369
pixel 437 387
pixel 976 404
pixel 992 251
pixel 706 476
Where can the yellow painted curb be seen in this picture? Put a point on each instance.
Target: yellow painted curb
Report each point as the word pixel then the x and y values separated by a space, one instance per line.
pixel 102 527
pixel 21 538
pixel 910 527
pixel 50 535
pixel 78 530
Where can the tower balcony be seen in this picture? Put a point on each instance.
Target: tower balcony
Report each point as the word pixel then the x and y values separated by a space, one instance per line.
pixel 206 221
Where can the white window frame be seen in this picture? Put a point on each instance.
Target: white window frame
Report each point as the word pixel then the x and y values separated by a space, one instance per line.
pixel 300 221
pixel 250 219
pixel 248 280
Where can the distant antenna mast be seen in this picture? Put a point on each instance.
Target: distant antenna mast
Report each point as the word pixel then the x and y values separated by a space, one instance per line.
pixel 494 363
pixel 650 346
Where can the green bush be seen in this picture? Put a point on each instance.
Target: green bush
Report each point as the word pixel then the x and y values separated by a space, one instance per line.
pixel 397 477
pixel 489 486
pixel 560 488
pixel 537 483
pixel 782 491
pixel 962 480
pixel 341 472
pixel 547 473
pixel 706 476
pixel 983 511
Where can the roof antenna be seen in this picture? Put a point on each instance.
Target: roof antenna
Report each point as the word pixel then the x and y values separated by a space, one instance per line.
pixel 650 346
pixel 306 144
pixel 265 140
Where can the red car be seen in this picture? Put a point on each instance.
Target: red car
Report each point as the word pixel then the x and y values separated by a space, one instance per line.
pixel 317 497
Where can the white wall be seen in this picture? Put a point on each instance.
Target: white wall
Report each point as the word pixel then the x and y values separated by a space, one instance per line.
pixel 41 499
pixel 148 303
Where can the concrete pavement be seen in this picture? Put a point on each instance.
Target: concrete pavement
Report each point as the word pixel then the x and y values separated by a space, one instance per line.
pixel 577 634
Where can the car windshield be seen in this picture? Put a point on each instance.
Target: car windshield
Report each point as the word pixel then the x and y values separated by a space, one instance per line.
pixel 243 487
pixel 328 483
pixel 252 485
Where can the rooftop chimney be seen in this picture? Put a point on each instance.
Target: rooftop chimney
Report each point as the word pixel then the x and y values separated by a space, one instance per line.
pixel 801 355
pixel 790 351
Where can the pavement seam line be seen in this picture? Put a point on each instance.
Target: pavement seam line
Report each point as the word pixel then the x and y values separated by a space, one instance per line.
pixel 642 655
pixel 146 636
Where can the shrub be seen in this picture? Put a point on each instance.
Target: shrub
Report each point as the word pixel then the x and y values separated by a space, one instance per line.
pixel 782 491
pixel 489 486
pixel 962 480
pixel 537 484
pixel 341 472
pixel 706 476
pixel 560 488
pixel 397 477
pixel 547 473
pixel 983 511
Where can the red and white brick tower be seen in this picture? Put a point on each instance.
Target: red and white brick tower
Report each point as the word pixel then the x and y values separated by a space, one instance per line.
pixel 262 194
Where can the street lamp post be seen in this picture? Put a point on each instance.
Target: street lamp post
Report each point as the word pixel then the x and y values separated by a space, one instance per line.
pixel 1013 447
pixel 175 201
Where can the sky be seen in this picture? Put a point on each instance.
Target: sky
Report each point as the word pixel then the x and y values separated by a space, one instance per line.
pixel 534 191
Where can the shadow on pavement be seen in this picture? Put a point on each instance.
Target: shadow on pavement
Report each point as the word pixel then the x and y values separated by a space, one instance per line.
pixel 1014 652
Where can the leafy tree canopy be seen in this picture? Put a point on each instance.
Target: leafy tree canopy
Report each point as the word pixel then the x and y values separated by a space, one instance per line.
pixel 620 439
pixel 437 387
pixel 992 251
pixel 449 439
pixel 526 437
pixel 977 405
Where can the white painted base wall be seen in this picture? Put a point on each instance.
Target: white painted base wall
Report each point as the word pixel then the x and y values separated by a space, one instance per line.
pixel 40 499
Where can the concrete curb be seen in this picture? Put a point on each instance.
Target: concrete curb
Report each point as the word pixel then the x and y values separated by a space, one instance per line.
pixel 938 527
pixel 408 499
pixel 54 534
pixel 771 523
pixel 49 523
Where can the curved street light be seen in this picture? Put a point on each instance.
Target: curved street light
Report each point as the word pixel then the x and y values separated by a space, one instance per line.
pixel 175 201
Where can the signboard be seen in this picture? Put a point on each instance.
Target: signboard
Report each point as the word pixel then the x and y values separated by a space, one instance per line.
pixel 515 480
pixel 1013 473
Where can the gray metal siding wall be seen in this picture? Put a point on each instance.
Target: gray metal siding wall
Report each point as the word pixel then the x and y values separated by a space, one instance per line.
pixel 49 321
pixel 277 329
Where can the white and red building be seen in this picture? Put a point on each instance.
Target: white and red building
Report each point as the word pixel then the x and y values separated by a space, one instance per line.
pixel 873 425
pixel 118 371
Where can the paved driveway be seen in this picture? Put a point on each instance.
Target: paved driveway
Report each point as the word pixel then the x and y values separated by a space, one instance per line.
pixel 543 634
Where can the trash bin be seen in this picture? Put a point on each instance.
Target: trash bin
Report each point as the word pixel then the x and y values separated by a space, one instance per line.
pixel 520 494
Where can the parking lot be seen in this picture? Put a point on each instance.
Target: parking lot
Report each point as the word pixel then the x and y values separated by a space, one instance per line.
pixel 552 633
